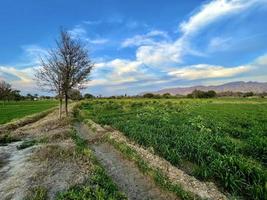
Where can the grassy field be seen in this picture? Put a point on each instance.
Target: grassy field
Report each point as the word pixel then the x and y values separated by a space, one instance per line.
pixel 15 110
pixel 221 140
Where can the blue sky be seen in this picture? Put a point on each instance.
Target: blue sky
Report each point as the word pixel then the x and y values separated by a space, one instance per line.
pixel 139 45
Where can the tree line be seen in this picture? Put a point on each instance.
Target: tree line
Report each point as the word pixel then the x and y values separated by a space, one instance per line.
pixel 7 93
pixel 205 94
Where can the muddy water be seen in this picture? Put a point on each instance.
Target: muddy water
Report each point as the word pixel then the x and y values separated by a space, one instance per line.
pixel 124 173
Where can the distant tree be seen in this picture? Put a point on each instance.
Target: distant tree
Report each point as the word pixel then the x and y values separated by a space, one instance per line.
pixel 148 95
pixel 210 94
pixel 239 94
pixel 30 97
pixel 7 93
pixel 248 94
pixel 263 94
pixel 15 95
pixel 196 94
pixel 202 94
pixel 75 94
pixel 166 95
pixel 5 90
pixel 88 96
pixel 225 94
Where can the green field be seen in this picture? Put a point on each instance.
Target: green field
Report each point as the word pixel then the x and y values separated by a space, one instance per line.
pixel 17 109
pixel 219 140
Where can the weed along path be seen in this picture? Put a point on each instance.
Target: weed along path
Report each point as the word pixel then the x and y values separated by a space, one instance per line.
pixel 124 173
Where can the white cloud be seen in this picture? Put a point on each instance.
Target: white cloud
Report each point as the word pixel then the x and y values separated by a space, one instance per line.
pixel 78 32
pixel 161 53
pixel 92 22
pixel 204 71
pixel 24 78
pixel 32 54
pixel 24 75
pixel 124 66
pixel 145 39
pixel 262 61
pixel 213 11
pixel 119 65
pixel 219 43
pixel 97 41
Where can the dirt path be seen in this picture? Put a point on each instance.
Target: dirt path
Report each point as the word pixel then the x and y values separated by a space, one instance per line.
pixel 51 165
pixel 124 173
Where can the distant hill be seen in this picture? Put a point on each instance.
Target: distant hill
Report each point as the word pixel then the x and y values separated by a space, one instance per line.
pixel 239 86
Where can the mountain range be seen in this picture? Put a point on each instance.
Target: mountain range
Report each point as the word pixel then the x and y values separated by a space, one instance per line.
pixel 240 86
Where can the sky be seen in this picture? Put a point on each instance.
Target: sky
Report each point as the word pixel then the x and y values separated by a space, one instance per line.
pixel 139 45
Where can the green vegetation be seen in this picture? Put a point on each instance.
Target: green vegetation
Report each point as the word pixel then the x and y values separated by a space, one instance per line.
pixel 18 109
pixel 37 193
pixel 6 138
pixel 224 139
pixel 202 94
pixel 97 186
pixel 157 175
pixel 27 143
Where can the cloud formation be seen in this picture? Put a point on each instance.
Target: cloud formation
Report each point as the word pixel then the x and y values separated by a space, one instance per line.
pixel 149 38
pixel 79 32
pixel 166 52
pixel 159 56
pixel 23 78
pixel 204 71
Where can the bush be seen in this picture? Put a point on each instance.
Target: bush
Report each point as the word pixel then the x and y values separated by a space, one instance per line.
pixel 202 94
pixel 148 95
pixel 248 94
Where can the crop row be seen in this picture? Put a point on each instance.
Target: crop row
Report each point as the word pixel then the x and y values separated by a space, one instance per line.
pixel 230 152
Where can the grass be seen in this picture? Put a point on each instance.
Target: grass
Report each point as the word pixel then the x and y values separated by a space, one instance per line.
pixel 27 143
pixel 37 193
pixel 157 175
pixel 98 185
pixel 15 110
pixel 6 139
pixel 225 139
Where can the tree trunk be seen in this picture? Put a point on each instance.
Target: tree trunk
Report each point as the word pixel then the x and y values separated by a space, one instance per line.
pixel 66 104
pixel 60 106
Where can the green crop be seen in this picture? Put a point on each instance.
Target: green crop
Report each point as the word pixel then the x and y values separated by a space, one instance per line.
pixel 17 109
pixel 225 139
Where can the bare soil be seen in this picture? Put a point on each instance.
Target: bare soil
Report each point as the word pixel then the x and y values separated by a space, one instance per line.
pixel 52 165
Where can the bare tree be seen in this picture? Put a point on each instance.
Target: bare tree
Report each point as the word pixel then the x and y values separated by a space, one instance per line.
pixel 49 75
pixel 76 64
pixel 5 89
pixel 65 68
